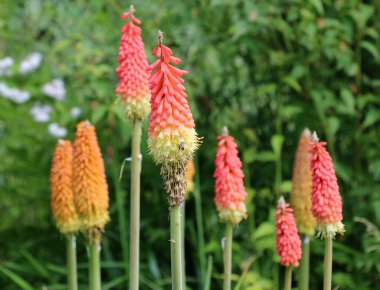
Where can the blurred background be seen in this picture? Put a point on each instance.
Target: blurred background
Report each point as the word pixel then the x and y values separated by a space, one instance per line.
pixel 266 69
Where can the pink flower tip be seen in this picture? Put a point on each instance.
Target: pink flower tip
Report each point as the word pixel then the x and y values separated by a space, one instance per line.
pixel 288 242
pixel 326 199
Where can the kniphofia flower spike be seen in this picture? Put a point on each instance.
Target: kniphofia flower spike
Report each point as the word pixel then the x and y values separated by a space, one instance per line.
pixel 326 199
pixel 288 242
pixel 172 137
pixel 89 181
pixel 62 196
pixel 132 72
pixel 300 196
pixel 229 185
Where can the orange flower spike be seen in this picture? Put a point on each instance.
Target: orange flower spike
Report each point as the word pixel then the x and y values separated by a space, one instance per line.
pixel 62 197
pixel 89 180
pixel 172 136
pixel 300 196
pixel 288 242
pixel 132 72
pixel 326 199
pixel 229 185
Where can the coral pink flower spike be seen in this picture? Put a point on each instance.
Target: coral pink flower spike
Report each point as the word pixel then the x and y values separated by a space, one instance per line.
pixel 326 199
pixel 288 242
pixel 229 186
pixel 133 87
pixel 172 136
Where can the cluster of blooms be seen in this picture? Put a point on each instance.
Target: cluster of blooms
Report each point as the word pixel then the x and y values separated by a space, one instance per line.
pixel 55 89
pixel 89 181
pixel 288 242
pixel 300 196
pixel 13 94
pixel 41 113
pixel 30 63
pixel 133 87
pixel 62 196
pixel 172 137
pixel 229 185
pixel 326 199
pixel 57 131
pixel 78 185
pixel 5 66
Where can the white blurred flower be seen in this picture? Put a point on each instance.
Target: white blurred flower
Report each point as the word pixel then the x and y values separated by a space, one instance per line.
pixel 5 66
pixel 55 89
pixel 30 63
pixel 13 94
pixel 57 131
pixel 75 112
pixel 41 113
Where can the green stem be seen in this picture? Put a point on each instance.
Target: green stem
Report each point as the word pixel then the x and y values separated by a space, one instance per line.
pixel 176 255
pixel 71 246
pixel 288 278
pixel 199 220
pixel 305 264
pixel 134 267
pixel 95 277
pixel 183 212
pixel 328 264
pixel 228 257
pixel 121 214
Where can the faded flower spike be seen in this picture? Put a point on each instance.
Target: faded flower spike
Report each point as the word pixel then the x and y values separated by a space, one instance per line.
pixel 62 197
pixel 288 242
pixel 172 137
pixel 326 199
pixel 229 186
pixel 89 181
pixel 300 196
pixel 133 87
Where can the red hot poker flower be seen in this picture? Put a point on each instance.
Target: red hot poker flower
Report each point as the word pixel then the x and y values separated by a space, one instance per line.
pixel 326 199
pixel 229 186
pixel 288 242
pixel 172 136
pixel 132 72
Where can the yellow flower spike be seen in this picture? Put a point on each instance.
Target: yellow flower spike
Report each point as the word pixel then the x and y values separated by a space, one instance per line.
pixel 62 197
pixel 89 181
pixel 190 176
pixel 300 196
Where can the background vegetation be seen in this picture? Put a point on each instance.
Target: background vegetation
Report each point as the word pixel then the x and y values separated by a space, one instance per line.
pixel 267 69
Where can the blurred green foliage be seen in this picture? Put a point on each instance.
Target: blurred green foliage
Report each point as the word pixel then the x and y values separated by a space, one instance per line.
pixel 267 69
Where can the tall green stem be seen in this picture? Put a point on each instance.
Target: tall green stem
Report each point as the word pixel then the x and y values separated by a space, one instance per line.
pixel 305 264
pixel 95 277
pixel 328 264
pixel 134 267
pixel 200 232
pixel 176 247
pixel 228 257
pixel 183 213
pixel 72 281
pixel 288 278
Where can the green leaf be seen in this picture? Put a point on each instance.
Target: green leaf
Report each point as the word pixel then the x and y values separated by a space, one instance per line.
pixel 16 279
pixel 371 117
pixel 318 5
pixel 276 142
pixel 292 82
pixel 372 49
pixel 265 156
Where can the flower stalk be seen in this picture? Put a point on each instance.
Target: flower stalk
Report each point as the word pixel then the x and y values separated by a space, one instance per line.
pixel 288 278
pixel 305 264
pixel 94 266
pixel 134 268
pixel 228 256
pixel 176 248
pixel 328 264
pixel 72 279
